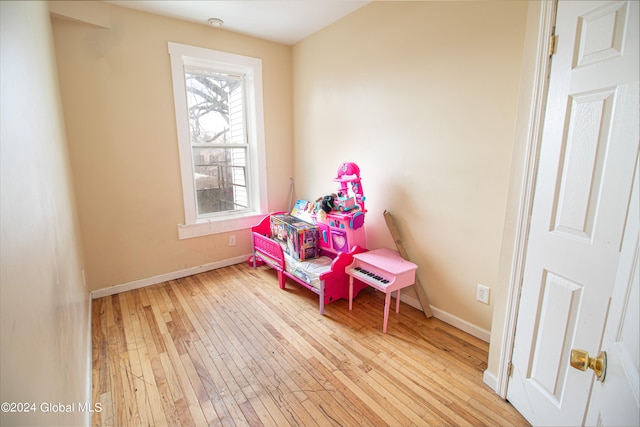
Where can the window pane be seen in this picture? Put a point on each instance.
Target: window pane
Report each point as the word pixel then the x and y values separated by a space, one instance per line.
pixel 220 176
pixel 216 111
pixel 215 105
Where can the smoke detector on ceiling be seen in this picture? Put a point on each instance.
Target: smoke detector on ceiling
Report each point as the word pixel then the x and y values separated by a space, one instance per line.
pixel 215 22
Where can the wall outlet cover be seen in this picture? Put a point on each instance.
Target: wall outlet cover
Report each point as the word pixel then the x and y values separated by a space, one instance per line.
pixel 482 294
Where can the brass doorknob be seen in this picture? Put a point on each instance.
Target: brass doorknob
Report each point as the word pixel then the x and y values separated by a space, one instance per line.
pixel 580 360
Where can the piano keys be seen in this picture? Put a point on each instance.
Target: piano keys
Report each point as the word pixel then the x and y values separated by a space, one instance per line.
pixel 366 274
pixel 385 270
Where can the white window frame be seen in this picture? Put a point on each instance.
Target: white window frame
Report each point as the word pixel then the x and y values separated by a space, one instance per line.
pixel 185 55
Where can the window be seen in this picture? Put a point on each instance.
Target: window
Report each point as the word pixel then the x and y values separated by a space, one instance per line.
pixel 218 102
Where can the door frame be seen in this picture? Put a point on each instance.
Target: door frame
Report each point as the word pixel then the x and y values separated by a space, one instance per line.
pixel 529 126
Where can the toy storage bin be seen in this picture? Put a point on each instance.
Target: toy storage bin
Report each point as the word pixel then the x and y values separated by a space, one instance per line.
pixel 298 238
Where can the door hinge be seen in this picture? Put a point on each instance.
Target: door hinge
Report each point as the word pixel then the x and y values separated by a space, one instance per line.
pixel 553 43
pixel 510 369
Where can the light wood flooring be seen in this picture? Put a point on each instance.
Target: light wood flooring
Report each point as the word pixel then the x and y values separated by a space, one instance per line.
pixel 228 347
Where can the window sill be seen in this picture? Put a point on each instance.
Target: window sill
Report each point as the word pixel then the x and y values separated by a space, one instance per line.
pixel 208 227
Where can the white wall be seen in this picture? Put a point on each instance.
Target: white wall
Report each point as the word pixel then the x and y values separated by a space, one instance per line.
pixel 423 97
pixel 44 316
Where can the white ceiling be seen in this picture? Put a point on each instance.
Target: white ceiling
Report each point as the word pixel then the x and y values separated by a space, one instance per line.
pixel 282 21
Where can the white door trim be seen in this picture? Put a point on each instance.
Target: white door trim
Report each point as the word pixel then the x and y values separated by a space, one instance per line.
pixel 532 120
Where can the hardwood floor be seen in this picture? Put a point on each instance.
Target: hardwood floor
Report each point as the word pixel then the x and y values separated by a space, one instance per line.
pixel 228 347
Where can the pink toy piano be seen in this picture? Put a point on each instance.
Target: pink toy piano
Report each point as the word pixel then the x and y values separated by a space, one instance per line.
pixel 384 270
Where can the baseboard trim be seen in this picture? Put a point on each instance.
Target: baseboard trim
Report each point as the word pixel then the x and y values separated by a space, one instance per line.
pixel 449 318
pixel 490 380
pixel 137 284
pixel 463 325
pixel 412 301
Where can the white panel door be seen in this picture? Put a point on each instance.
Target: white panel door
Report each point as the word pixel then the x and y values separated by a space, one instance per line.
pixel 616 400
pixel 588 155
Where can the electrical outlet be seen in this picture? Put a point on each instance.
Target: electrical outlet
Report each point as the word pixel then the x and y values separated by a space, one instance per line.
pixel 232 240
pixel 482 293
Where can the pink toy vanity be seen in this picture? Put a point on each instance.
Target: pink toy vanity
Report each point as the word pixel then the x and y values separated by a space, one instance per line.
pixel 343 228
